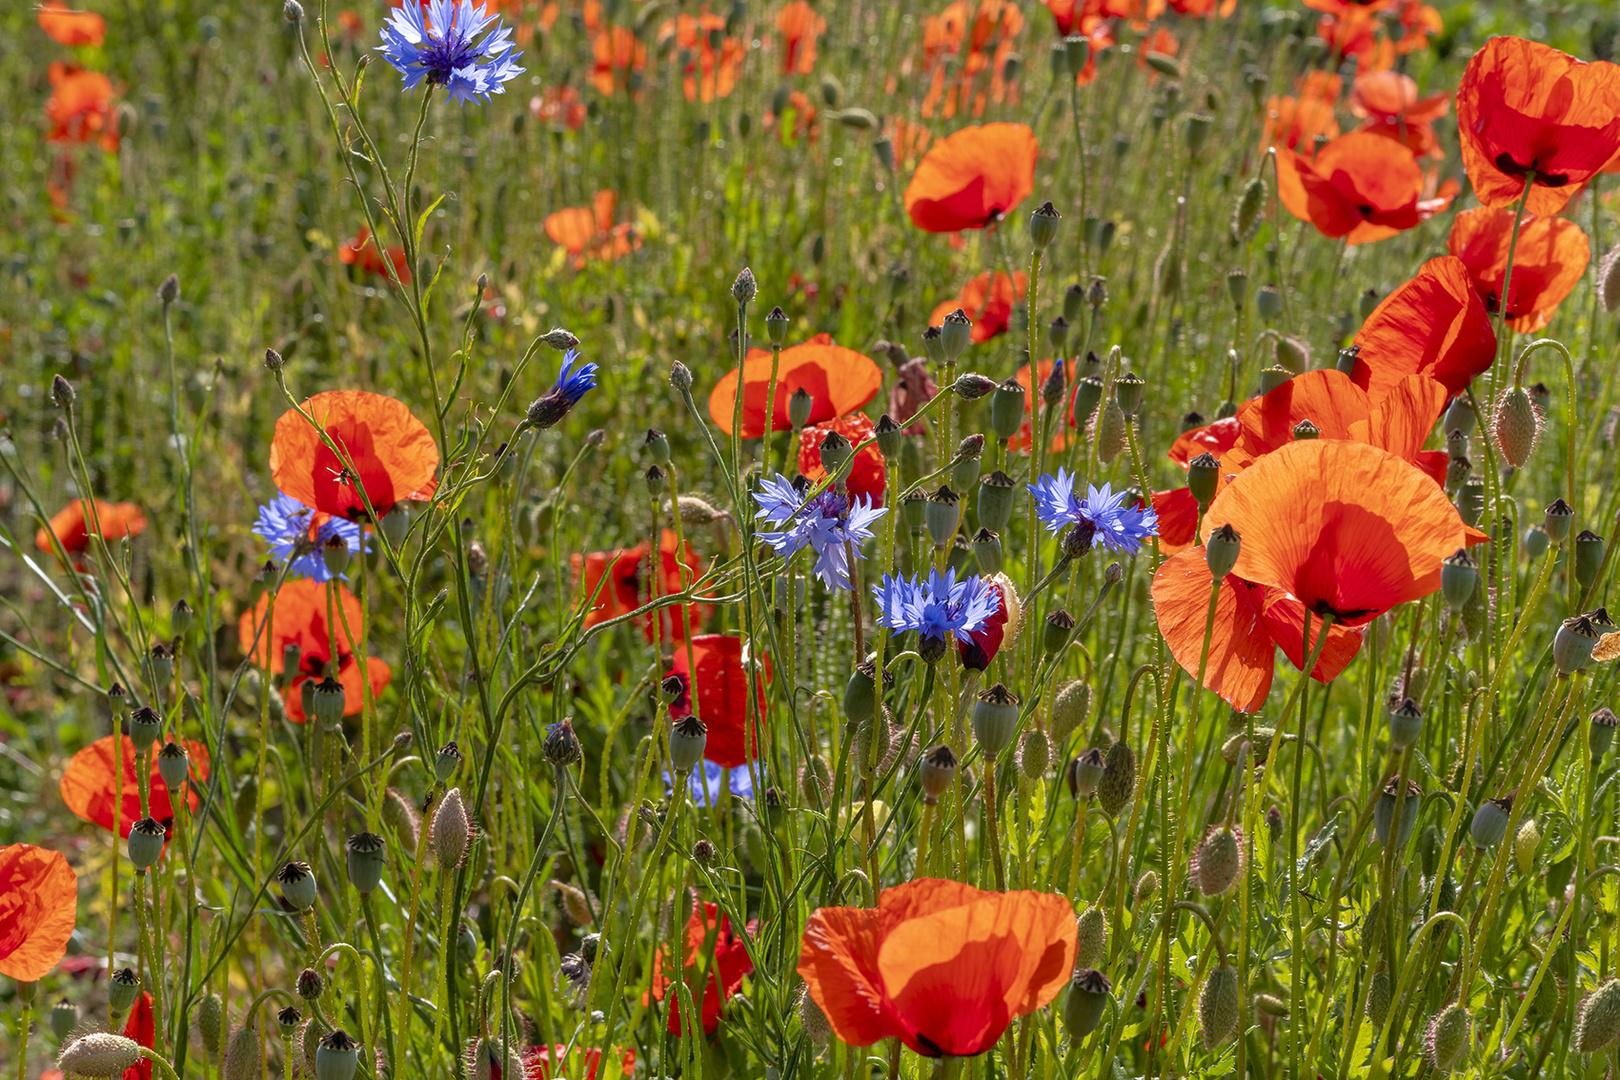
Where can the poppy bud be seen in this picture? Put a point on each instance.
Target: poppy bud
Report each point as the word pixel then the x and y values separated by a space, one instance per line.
pixel 835 452
pixel 1217 861
pixel 145 843
pixel 100 1055
pixel 1088 997
pixel 1069 710
pixel 1405 724
pixel 1557 520
pixel 121 990
pixel 1601 734
pixel 1525 844
pixel 1597 1025
pixel 996 496
pixel 1379 995
pixel 310 985
pixel 1384 811
pixel 145 725
pixel 987 551
pixel 1146 886
pixel 995 719
pixel 971 386
pixel 943 514
pixel 64 1017
pixel 1445 1042
pixel 451 829
pixel 1034 754
pixel 180 618
pixel 1588 557
pixel 1007 409
pixel 914 510
pixel 1490 822
pixel 297 883
pixel 1516 426
pixel 1268 302
pixel 955 334
pixel 1043 226
pixel 688 737
pixel 1471 500
pixel 1091 938
pixel 1458 575
pixel 1128 392
pixel 337 1057
pixel 1218 1006
pixel 860 693
pixel 1274 823
pixel 169 291
pixel 1458 470
pixel 815 782
pixel 1074 297
pixel 1118 781
pixel 561 746
pixel 1248 212
pixel 1097 291
pixel 367 857
pixel 965 466
pixel 1111 434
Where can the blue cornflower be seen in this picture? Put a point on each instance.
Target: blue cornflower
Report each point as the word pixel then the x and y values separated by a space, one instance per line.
pixel 284 523
pixel 936 605
pixel 707 788
pixel 1101 516
pixel 571 385
pixel 438 43
pixel 824 524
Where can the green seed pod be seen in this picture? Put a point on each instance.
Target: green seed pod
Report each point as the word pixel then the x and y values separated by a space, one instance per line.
pixel 298 886
pixel 1237 287
pixel 1222 550
pixel 211 1023
pixel 1273 377
pixel 1526 842
pixel 987 551
pixel 1091 938
pixel 146 838
pixel 1128 390
pixel 367 857
pixel 1070 708
pixel 1573 643
pixel 943 514
pixel 937 771
pixel 1490 822
pixel 955 334
pixel 1204 478
pixel 1249 211
pixel 995 719
pixel 1556 521
pixel 1083 1008
pixel 1367 303
pixel 1118 781
pixel 1471 500
pixel 337 1057
pixel 1268 303
pixel 1057 631
pixel 1007 405
pixel 1597 1025
pixel 100 1055
pixel 1405 724
pixel 1218 861
pixel 1589 549
pixel 1379 995
pixel 64 1018
pixel 1515 425
pixel 328 703
pixel 1043 226
pixel 997 495
pixel 1271 1005
pixel 122 989
pixel 1445 1044
pixel 1110 432
pixel 1085 773
pixel 890 437
pixel 145 725
pixel 800 404
pixel 1600 733
pixel 172 763
pixel 1218 1006
pixel 447 762
pixel 688 738
pixel 1384 812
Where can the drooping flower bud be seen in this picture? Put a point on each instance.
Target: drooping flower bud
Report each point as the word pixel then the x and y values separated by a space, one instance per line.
pixel 1445 1042
pixel 971 386
pixel 1597 1025
pixel 1218 861
pixel 1118 782
pixel 451 829
pixel 1516 426
pixel 1070 709
pixel 1219 1005
pixel 100 1055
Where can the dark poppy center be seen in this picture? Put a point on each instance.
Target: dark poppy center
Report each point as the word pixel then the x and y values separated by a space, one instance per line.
pixel 930 1047
pixel 1365 210
pixel 1348 615
pixel 1506 162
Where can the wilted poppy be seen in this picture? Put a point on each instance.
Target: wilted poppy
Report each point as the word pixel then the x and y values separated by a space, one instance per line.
pixel 991 314
pixel 868 474
pixel 973 177
pixel 1548 262
pixel 88 785
pixel 1388 102
pixel 623 588
pixel 708 66
pixel 800 25
pixel 1359 186
pixel 1434 325
pixel 75 522
pixel 39 905
pixel 938 964
pixel 393 453
pixel 839 381
pixel 68 27
pixel 711 946
pixel 913 387
pixel 722 698
pixel 1525 108
pixel 542 1062
pixel 560 106
pixel 616 54
pixel 588 232
pixel 300 618
pixel 80 107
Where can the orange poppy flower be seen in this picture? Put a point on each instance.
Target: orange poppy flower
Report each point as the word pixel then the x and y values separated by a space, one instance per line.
pixel 560 106
pixel 363 253
pixel 88 784
pixel 1295 123
pixel 624 590
pixel 1161 41
pixel 941 965
pixel 538 1060
pixel 39 905
pixel 1522 107
pixel 910 140
pixel 1548 262
pixel 1360 186
pixel 722 698
pixel 991 314
pixel 973 177
pixel 80 107
pixel 725 959
pixel 1065 13
pixel 393 454
pixel 839 381
pixel 300 618
pixel 1201 8
pixel 798 119
pixel 799 25
pixel 1434 324
pixel 74 523
pixel 1388 101
pixel 868 475
pixel 588 232
pixel 707 71
pixel 616 55
pixel 68 27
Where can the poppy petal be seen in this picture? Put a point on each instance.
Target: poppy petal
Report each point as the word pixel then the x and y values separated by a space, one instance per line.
pixel 1241 651
pixel 1549 260
pixel 39 905
pixel 973 177
pixel 1434 324
pixel 393 453
pixel 838 380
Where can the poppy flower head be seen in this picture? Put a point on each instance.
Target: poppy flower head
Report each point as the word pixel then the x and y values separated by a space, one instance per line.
pixel 800 25
pixel 1359 186
pixel 708 66
pixel 711 945
pixel 74 524
pixel 1434 325
pixel 80 107
pixel 141 1027
pixel 868 474
pixel 616 56
pixel 1548 262
pixel 559 106
pixel 1295 123
pixel 1389 105
pixel 68 27
pixel 722 698
pixel 972 178
pixel 539 1061
pixel 589 232
pixel 366 255
pixel 939 964
pixel 624 586
pixel 838 380
pixel 97 791
pixel 988 305
pixel 39 905
pixel 393 454
pixel 1525 108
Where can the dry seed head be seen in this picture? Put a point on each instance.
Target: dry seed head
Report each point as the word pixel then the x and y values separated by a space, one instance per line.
pixel 451 829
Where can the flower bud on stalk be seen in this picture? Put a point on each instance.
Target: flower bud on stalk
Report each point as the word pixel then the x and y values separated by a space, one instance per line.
pixel 100 1055
pixel 561 746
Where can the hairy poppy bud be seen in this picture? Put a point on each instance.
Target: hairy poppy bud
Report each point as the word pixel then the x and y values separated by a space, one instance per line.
pixel 1091 938
pixel 1043 226
pixel 1118 781
pixel 244 1055
pixel 1526 842
pixel 1069 710
pixel 688 738
pixel 1034 753
pixel 367 857
pixel 145 843
pixel 122 988
pixel 955 334
pixel 1516 426
pixel 561 746
pixel 1088 997
pixel 1597 1026
pixel 1445 1043
pixel 1218 1006
pixel 1247 214
pixel 298 887
pixel 1379 996
pixel 451 829
pixel 1007 409
pixel 1217 862
pixel 1490 822
pixel 971 386
pixel 1146 886
pixel 943 515
pixel 100 1055
pixel 1111 432
pixel 995 719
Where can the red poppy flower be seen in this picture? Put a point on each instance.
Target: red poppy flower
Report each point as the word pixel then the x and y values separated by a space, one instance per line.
pixel 1295 123
pixel 1433 325
pixel 1548 262
pixel 588 232
pixel 394 456
pixel 973 177
pixel 839 381
pixel 991 314
pixel 722 698
pixel 976 648
pixel 80 107
pixel 616 53
pixel 1522 107
pixel 300 617
pixel 88 784
pixel 725 958
pixel 967 46
pixel 708 70
pixel 1201 8
pixel 868 474
pixel 939 964
pixel 1162 42
pixel 1360 186
pixel 142 1027
pixel 1418 20
pixel 560 106
pixel 68 27
pixel 625 590
pixel 363 253
pixel 39 905
pixel 799 25
pixel 538 1061
pixel 74 523
pixel 797 120
pixel 1388 102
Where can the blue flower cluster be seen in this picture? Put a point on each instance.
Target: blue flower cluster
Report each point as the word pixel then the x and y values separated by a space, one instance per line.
pixel 1117 527
pixel 935 605
pixel 439 43
pixel 284 523
pixel 825 524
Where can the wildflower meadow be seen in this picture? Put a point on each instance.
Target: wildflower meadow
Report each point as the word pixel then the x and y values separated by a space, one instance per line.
pixel 809 539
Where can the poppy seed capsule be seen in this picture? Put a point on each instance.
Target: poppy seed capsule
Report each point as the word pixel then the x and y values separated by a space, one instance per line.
pixel 288 1019
pixel 1573 643
pixel 1007 409
pixel 943 514
pixel 890 437
pixel 995 719
pixel 1268 302
pixel 1460 416
pixel 1445 1043
pixel 1597 1026
pixel 1043 226
pixel 1458 576
pixel 1128 390
pixel 860 694
pixel 1471 500
pixel 1088 393
pixel 1490 822
pixel 1237 287
pixel 1405 724
pixel 1305 430
pixel 1088 998
pixel 1085 773
pixel 145 725
pixel 1070 708
pixel 145 843
pixel 1219 1005
pixel 1515 425
pixel 1556 520
pixel 1221 551
pixel 914 510
pixel 1203 479
pixel 64 1018
pixel 937 771
pixel 1273 377
pixel 337 1057
pixel 1384 811
pixel 1588 557
pixel 1118 781
pixel 561 746
pixel 121 990
pixel 688 738
pixel 1601 733
pixel 1059 628
pixel 367 856
pixel 1057 333
pixel 329 702
pixel 656 443
pixel 446 762
pixel 160 659
pixel 451 829
pixel 835 452
pixel 987 551
pixel 955 334
pixel 396 524
pixel 335 555
pixel 180 618
pixel 298 886
pixel 100 1055
pixel 1076 53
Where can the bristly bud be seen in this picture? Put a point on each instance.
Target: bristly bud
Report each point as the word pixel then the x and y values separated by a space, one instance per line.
pixel 1445 1043
pixel 680 377
pixel 1087 1000
pixel 310 984
pixel 815 782
pixel 297 882
pixel 100 1055
pixel 688 738
pixel 273 360
pixel 1379 995
pixel 1218 1006
pixel 1526 842
pixel 451 829
pixel 1043 226
pixel 145 843
pixel 1246 215
pixel 971 386
pixel 1091 938
pixel 1111 432
pixel 703 853
pixel 122 989
pixel 61 392
pixel 995 719
pixel 575 903
pixel 560 339
pixel 1516 426
pixel 1070 709
pixel 1118 782
pixel 1597 1025
pixel 211 1022
pixel 744 289
pixel 244 1055
pixel 292 11
pixel 1146 886
pixel 1034 753
pixel 367 856
pixel 169 291
pixel 936 772
pixel 561 746
pixel 1218 861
